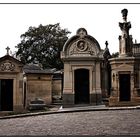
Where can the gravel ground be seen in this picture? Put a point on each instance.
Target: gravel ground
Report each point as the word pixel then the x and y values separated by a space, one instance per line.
pixel 91 123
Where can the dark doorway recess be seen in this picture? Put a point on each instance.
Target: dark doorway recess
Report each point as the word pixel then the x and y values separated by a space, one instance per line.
pixel 6 95
pixel 124 80
pixel 81 87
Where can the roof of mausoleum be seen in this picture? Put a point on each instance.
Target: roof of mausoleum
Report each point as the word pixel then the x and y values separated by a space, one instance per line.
pixel 81 45
pixel 34 69
pixel 11 58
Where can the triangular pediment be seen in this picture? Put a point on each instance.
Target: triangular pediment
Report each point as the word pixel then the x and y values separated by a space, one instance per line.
pixel 124 66
pixel 10 64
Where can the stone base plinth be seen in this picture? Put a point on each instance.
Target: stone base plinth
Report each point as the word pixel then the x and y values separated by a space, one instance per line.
pixel 113 101
pixel 68 99
pixel 96 99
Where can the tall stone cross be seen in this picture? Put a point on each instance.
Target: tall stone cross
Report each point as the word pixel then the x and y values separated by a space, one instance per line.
pixel 8 49
pixel 106 44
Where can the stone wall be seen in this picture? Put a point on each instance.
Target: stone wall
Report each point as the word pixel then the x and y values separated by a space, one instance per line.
pixel 57 88
pixel 39 86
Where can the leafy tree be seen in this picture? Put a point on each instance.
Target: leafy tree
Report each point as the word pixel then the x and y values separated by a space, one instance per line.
pixel 116 54
pixel 43 44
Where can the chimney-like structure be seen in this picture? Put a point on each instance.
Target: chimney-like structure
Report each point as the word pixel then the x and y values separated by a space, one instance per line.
pixel 125 40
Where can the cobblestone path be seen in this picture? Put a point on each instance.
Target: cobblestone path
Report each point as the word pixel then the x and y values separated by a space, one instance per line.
pixel 92 123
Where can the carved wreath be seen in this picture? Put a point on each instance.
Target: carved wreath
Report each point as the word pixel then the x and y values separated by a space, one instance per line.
pixel 7 66
pixel 81 46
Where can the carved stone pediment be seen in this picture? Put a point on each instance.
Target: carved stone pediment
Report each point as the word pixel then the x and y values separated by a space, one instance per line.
pixel 10 64
pixel 81 47
pixel 124 66
pixel 7 66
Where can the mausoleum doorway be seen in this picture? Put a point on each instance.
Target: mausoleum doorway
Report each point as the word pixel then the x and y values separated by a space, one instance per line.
pixel 6 94
pixel 11 84
pixel 124 87
pixel 81 86
pixel 83 59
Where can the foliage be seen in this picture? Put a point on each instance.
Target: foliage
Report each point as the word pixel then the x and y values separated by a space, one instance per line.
pixel 43 45
pixel 116 54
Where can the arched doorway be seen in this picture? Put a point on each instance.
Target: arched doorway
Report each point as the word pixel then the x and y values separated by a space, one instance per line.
pixel 81 86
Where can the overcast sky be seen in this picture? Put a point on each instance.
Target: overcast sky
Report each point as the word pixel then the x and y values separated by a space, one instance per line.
pixel 100 21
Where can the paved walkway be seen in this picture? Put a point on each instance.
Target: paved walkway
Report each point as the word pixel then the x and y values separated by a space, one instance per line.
pixel 89 123
pixel 96 108
pixel 60 109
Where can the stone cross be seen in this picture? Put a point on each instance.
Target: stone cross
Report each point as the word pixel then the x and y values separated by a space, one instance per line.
pixel 8 49
pixel 106 44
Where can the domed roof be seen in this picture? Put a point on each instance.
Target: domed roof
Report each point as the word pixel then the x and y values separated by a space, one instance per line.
pixel 81 45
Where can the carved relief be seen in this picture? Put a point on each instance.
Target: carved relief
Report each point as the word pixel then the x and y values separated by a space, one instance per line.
pixel 7 66
pixel 72 49
pixel 82 32
pixel 81 47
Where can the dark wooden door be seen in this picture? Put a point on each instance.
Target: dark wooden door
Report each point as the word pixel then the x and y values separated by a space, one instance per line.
pixel 124 80
pixel 81 86
pixel 6 94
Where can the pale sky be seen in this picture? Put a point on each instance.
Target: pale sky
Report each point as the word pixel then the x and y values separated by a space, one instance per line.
pixel 100 21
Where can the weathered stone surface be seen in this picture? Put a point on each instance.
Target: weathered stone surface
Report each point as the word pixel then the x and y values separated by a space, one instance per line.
pixel 93 123
pixel 125 69
pixel 82 53
pixel 11 69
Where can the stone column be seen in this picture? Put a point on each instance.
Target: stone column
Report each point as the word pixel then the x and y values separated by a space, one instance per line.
pixel 98 95
pixel 132 76
pixel 14 93
pixel 106 82
pixel 92 79
pixel 68 96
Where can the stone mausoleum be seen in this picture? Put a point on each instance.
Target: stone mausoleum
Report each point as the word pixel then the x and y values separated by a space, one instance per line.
pixel 85 70
pixel 90 76
pixel 22 83
pixel 125 69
